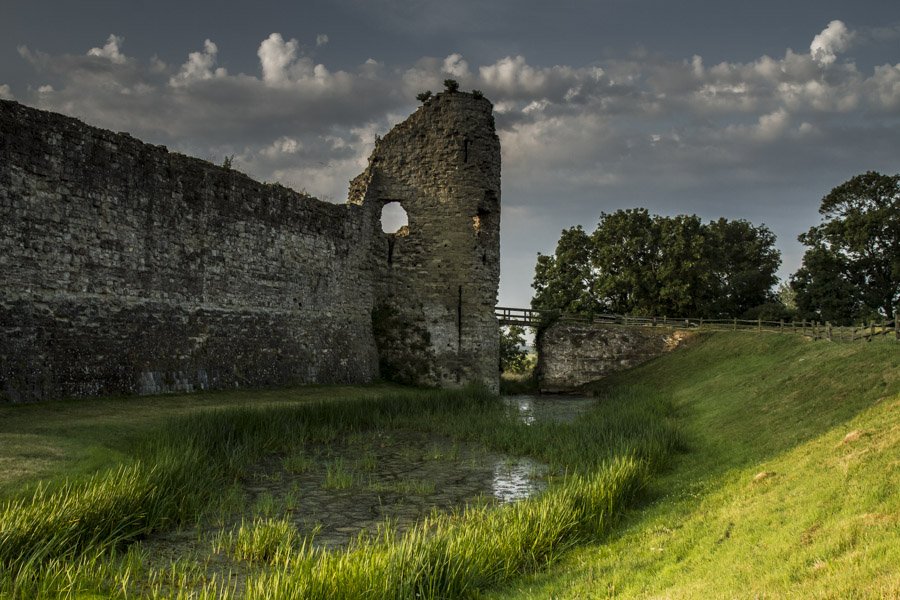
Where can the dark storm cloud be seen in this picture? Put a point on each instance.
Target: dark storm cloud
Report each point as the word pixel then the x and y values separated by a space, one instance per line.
pixel 761 138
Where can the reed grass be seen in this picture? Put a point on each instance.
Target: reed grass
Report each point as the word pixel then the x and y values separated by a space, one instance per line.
pixel 76 538
pixel 262 540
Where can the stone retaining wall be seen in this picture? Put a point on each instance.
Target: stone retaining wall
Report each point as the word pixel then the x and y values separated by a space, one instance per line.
pixel 571 355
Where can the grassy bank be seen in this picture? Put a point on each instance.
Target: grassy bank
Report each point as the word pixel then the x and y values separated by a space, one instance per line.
pixel 790 487
pixel 167 467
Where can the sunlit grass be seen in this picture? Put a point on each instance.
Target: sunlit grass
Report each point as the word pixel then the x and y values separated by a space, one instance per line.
pixel 178 471
pixel 790 488
pixel 262 540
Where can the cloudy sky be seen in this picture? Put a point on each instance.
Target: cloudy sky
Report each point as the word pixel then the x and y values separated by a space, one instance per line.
pixel 748 110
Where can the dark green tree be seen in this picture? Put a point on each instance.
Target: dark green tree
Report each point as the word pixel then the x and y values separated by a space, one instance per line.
pixel 562 281
pixel 639 263
pixel 852 267
pixel 743 262
pixel 824 291
pixel 513 355
pixel 624 260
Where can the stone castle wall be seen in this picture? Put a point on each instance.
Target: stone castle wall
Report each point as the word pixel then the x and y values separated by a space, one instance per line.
pixel 125 268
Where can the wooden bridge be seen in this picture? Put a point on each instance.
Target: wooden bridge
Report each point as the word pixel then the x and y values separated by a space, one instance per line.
pixel 529 317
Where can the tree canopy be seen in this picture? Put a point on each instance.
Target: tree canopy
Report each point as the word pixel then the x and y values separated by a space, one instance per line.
pixel 851 269
pixel 513 355
pixel 638 263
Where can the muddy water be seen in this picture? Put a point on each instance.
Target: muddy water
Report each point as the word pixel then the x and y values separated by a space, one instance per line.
pixel 398 475
pixel 557 408
pixel 336 492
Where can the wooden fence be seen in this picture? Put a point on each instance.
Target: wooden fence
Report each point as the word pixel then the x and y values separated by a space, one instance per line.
pixel 812 329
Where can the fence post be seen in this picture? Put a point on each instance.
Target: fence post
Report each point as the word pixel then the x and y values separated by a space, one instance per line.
pixel 828 329
pixel 871 330
pixel 735 323
pixel 897 324
pixel 781 326
pixel 701 322
pixel 665 320
pixel 759 323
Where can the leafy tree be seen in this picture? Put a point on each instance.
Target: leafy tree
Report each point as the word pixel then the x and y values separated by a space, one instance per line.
pixel 451 85
pixel 852 267
pixel 424 96
pixel 823 290
pixel 562 281
pixel 623 251
pixel 639 263
pixel 743 262
pixel 513 356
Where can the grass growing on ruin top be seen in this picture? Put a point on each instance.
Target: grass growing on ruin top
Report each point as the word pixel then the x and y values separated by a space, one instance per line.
pixel 85 535
pixel 790 486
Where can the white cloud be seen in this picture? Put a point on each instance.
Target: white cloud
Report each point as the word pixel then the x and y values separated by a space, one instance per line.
pixel 513 74
pixel 884 86
pixel 200 66
pixel 771 126
pixel 833 39
pixel 275 56
pixel 6 93
pixel 110 50
pixel 281 146
pixel 46 89
pixel 456 66
pixel 321 39
pixel 283 66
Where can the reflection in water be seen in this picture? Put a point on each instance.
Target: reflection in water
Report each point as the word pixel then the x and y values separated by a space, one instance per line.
pixel 516 479
pixel 559 409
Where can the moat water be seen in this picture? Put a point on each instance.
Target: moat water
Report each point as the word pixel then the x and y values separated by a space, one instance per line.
pixel 334 493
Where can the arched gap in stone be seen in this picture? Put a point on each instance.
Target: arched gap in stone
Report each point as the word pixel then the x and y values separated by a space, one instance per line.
pixel 394 219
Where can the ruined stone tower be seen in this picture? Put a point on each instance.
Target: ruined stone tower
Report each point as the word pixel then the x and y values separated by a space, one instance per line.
pixel 436 280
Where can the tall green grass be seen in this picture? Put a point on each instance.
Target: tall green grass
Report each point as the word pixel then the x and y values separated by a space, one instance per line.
pixel 789 486
pixel 75 537
pixel 453 556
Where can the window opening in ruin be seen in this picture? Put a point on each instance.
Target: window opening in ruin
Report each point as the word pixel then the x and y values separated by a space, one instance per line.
pixel 466 150
pixel 394 219
pixel 478 220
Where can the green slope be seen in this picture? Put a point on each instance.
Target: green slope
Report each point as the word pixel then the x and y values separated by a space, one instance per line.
pixel 791 486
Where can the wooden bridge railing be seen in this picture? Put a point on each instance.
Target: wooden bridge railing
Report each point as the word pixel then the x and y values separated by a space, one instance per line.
pixel 529 317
